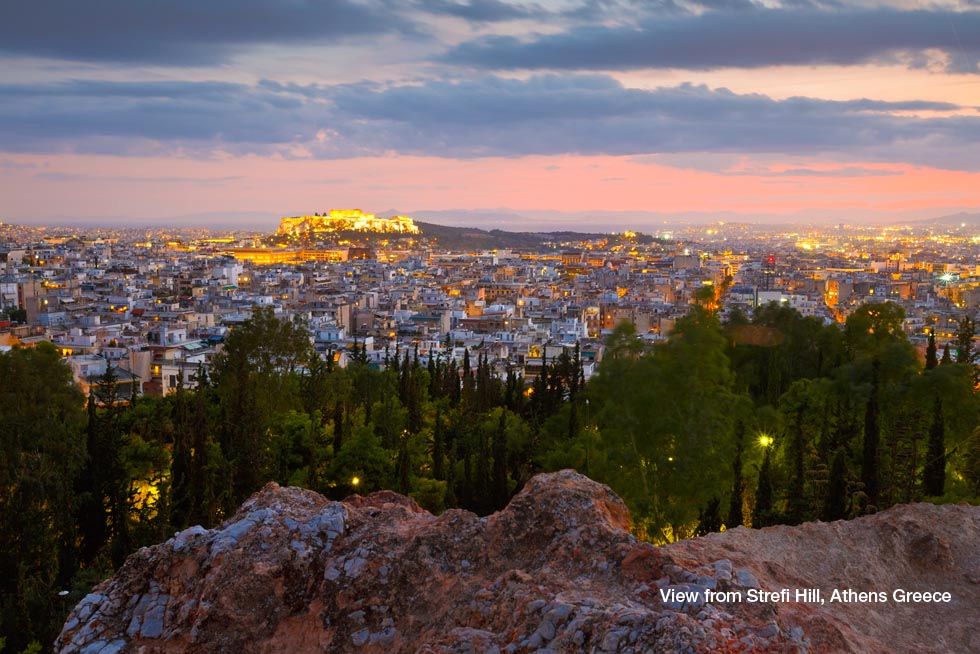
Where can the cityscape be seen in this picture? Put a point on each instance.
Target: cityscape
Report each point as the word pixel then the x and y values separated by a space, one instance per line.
pixel 157 303
pixel 714 375
pixel 490 327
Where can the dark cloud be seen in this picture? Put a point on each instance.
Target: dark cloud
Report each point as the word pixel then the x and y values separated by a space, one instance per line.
pixel 128 179
pixel 482 11
pixel 179 32
pixel 164 112
pixel 595 115
pixel 489 116
pixel 740 39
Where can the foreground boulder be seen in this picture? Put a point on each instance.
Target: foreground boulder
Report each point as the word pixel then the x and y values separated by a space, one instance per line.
pixel 556 571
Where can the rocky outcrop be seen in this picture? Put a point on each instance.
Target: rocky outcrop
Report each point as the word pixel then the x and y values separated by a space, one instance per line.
pixel 913 547
pixel 556 571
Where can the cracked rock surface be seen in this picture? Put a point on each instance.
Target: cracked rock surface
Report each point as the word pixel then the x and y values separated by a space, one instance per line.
pixel 556 571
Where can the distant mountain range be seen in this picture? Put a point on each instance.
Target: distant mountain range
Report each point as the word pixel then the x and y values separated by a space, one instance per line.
pixel 473 238
pixel 536 221
pixel 952 220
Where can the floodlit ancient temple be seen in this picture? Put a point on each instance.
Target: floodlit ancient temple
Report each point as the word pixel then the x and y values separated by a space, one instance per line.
pixel 339 220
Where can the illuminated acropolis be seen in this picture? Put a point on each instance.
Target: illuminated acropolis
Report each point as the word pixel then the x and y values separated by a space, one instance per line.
pixel 339 220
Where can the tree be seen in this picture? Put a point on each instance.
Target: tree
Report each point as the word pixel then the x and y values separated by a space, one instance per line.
pixel 42 449
pixel 709 519
pixel 796 501
pixel 835 507
pixel 499 487
pixel 934 473
pixel 735 517
pixel 665 420
pixel 872 436
pixel 257 375
pixel 931 360
pixel 181 458
pixel 965 332
pixel 763 514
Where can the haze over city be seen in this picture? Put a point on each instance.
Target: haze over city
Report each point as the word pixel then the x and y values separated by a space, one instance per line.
pixel 554 113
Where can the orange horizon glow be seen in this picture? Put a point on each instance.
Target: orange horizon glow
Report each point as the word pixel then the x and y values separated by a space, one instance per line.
pixel 38 186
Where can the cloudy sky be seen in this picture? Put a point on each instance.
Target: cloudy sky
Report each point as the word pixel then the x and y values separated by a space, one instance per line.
pixel 803 109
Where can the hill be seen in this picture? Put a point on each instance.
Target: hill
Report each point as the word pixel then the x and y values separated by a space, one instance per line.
pixel 473 238
pixel 556 571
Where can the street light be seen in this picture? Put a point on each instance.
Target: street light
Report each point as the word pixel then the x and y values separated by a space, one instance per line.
pixel 765 440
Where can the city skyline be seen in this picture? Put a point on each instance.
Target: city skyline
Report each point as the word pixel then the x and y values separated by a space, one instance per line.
pixel 689 110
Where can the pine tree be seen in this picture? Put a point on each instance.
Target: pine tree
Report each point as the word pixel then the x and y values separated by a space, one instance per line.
pixel 934 473
pixel 947 358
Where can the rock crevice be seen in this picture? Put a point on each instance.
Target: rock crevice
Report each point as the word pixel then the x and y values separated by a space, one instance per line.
pixel 556 571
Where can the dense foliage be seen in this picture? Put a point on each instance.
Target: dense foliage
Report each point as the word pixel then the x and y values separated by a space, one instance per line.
pixel 773 419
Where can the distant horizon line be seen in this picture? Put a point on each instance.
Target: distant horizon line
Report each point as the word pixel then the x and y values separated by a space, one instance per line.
pixel 529 220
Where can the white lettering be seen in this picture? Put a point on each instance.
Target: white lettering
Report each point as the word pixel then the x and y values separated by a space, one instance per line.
pixel 916 597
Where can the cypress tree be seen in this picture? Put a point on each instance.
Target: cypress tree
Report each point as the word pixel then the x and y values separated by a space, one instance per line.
pixel 483 500
pixel 500 491
pixel 93 527
pixel 797 500
pixel 934 473
pixel 735 517
pixel 338 427
pixel 872 435
pixel 469 383
pixel 450 498
pixel 572 420
pixel 931 359
pixel 947 358
pixel 835 508
pixel 709 518
pixel 203 492
pixel 438 448
pixel 964 340
pixel 762 516
pixel 433 378
pixel 404 466
pixel 181 501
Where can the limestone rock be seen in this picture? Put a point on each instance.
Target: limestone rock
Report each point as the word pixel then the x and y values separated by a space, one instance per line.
pixel 556 571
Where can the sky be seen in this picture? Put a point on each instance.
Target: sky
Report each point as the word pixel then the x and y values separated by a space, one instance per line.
pixel 634 112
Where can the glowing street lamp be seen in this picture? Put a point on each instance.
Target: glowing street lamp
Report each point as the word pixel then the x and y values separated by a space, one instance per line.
pixel 355 481
pixel 765 440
